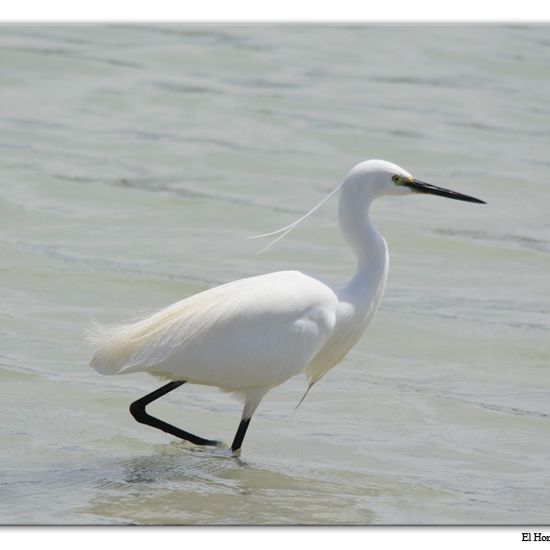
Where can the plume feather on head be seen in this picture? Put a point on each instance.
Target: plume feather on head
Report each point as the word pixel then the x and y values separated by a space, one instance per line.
pixel 288 228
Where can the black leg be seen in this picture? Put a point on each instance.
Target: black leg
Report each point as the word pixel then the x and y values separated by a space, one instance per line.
pixel 137 410
pixel 239 436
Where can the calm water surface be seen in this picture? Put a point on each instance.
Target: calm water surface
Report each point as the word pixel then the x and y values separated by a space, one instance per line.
pixel 135 161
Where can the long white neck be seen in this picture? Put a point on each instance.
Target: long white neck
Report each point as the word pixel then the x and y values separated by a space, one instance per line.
pixel 366 242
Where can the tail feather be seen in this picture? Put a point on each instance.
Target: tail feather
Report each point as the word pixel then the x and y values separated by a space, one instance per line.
pixel 113 349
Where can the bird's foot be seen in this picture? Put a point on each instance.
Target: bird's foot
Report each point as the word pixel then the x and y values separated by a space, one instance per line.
pixel 212 443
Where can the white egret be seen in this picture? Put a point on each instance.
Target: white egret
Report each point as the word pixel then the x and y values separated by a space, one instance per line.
pixel 253 334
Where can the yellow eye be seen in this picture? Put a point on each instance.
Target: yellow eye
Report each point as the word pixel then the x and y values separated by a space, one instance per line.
pixel 396 179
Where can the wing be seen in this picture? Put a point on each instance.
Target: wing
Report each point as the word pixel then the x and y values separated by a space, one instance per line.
pixel 253 332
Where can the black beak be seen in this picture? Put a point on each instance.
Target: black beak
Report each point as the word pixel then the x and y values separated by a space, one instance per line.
pixel 422 187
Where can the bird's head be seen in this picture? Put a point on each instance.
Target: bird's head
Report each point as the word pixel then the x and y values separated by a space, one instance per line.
pixel 366 181
pixel 379 177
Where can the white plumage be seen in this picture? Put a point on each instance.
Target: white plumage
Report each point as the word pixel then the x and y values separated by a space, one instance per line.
pixel 230 336
pixel 253 334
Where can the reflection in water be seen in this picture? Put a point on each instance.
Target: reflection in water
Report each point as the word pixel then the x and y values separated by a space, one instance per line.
pixel 181 461
pixel 180 484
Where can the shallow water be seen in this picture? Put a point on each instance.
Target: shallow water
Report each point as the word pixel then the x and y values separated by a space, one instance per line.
pixel 134 162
